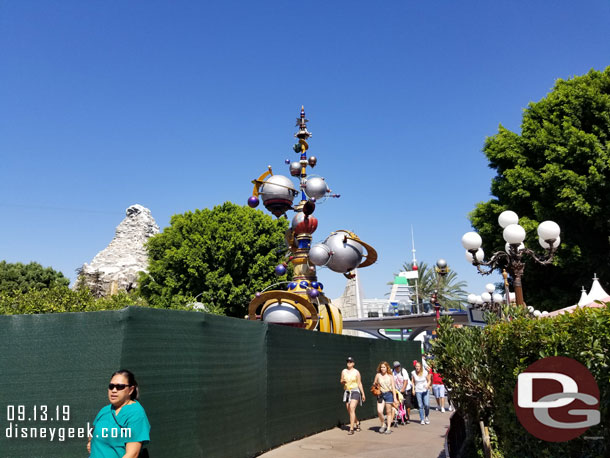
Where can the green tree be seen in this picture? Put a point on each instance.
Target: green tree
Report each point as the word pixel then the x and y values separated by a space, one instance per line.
pixel 557 168
pixel 221 257
pixel 451 292
pixel 26 277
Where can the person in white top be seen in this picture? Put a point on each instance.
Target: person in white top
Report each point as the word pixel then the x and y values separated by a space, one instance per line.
pixel 422 380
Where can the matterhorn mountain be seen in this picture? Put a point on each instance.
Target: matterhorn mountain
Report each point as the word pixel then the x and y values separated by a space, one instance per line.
pixel 116 267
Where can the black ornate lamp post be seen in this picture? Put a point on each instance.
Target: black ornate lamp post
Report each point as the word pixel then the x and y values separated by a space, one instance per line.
pixel 513 255
pixel 441 270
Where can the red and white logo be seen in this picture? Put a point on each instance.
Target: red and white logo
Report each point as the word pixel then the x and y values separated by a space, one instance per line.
pixel 557 399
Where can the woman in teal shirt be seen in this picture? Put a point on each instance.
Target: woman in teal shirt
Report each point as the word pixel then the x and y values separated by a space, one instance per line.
pixel 121 428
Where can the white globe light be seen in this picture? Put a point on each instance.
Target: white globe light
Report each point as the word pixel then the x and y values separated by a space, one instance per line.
pixel 548 230
pixel 471 241
pixel 486 297
pixel 497 297
pixel 513 233
pixel 507 218
pixel 546 246
pixel 472 298
pixel 530 308
pixel 490 287
pixel 480 300
pixel 537 313
pixel 545 313
pixel 519 248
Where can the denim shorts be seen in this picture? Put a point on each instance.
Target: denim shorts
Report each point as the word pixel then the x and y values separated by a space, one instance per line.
pixel 388 396
pixel 439 391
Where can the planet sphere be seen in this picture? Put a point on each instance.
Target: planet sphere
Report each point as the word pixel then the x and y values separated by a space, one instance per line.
pixel 346 253
pixel 278 194
pixel 319 254
pixel 316 188
pixel 253 202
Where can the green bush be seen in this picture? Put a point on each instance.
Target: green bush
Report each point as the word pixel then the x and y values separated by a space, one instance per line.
pixel 59 299
pixel 481 366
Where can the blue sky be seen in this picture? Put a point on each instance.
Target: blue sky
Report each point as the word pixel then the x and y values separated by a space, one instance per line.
pixel 179 105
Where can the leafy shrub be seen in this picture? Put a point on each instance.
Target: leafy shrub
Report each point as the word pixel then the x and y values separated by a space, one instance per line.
pixel 481 366
pixel 59 299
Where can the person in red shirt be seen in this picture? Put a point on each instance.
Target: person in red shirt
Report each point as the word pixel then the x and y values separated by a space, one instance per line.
pixel 438 389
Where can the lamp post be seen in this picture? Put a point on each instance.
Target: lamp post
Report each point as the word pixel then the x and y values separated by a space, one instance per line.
pixel 441 270
pixel 514 251
pixel 489 300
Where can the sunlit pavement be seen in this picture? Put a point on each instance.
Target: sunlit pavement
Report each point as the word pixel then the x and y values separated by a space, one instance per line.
pixel 414 439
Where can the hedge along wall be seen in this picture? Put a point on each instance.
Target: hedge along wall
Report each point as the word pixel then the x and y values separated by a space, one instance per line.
pixel 203 379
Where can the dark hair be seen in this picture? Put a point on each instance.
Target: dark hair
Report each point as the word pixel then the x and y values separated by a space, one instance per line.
pixel 131 381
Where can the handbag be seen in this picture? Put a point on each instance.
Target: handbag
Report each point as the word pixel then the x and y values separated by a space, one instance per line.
pixel 376 389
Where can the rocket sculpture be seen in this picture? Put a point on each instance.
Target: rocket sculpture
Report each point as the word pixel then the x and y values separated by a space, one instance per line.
pixel 303 303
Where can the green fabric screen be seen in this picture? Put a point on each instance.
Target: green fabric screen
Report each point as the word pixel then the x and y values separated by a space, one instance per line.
pixel 211 386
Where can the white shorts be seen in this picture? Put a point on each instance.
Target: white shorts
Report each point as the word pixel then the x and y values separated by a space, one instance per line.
pixel 438 391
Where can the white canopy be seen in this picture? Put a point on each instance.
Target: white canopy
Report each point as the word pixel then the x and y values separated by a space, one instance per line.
pixel 596 293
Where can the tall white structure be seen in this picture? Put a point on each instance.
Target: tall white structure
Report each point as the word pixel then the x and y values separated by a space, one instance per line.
pixel 350 303
pixel 116 267
pixel 353 304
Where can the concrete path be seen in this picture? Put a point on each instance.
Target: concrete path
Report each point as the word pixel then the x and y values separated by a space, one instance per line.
pixel 421 441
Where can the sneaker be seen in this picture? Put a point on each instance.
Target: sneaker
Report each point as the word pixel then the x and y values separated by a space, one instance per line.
pixel 422 422
pixel 450 408
pixel 388 431
pixel 442 409
pixel 382 429
pixel 427 421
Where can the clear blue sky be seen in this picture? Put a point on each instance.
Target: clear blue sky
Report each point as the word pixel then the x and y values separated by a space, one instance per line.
pixel 177 105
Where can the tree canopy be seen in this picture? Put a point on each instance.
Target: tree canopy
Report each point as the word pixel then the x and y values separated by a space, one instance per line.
pixel 28 277
pixel 221 257
pixel 557 168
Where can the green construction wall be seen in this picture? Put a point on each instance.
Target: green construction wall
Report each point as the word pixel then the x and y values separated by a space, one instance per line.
pixel 211 386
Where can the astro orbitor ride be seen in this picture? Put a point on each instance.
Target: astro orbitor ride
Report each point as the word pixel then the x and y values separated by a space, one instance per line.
pixel 303 303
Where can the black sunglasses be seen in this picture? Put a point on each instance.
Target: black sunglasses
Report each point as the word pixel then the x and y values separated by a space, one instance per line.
pixel 118 386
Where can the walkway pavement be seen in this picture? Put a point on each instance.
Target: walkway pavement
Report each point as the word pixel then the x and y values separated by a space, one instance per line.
pixel 422 441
